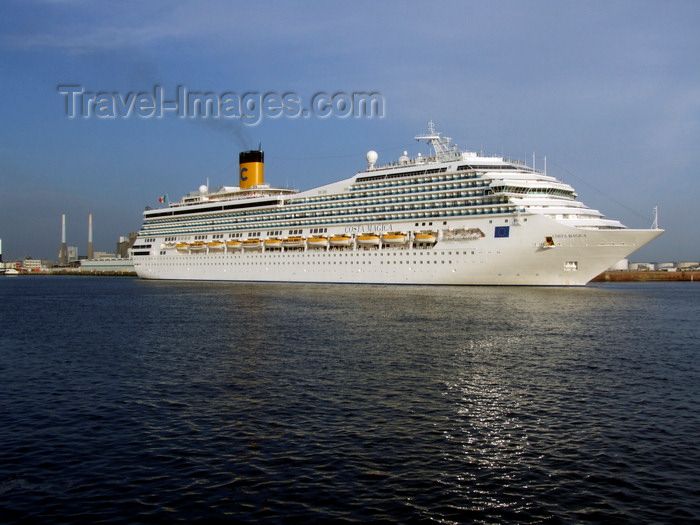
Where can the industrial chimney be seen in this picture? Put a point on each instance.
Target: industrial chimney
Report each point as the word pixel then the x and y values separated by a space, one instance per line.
pixel 63 253
pixel 90 254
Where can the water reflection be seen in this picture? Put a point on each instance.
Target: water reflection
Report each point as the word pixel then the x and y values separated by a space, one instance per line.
pixel 486 439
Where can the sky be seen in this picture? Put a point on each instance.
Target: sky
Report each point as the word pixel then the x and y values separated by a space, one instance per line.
pixel 607 91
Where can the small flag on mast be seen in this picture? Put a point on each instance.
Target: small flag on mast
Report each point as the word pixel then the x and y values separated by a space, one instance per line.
pixel 164 198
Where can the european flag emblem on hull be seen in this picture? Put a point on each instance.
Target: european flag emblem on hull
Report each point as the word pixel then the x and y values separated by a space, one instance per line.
pixel 502 231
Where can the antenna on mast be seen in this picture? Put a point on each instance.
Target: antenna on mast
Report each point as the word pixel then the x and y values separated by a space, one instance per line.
pixel 441 145
pixel 655 225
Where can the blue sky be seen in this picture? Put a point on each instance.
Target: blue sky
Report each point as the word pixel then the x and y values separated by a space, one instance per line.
pixel 608 91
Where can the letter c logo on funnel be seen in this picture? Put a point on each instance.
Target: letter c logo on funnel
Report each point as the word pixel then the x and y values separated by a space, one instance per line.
pixel 242 170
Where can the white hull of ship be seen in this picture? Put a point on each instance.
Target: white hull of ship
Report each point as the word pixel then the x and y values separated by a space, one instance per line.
pixel 521 258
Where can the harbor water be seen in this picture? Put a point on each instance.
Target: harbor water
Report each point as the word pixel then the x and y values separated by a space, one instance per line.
pixel 134 401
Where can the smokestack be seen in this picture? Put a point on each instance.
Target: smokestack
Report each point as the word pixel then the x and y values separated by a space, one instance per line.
pixel 63 253
pixel 251 168
pixel 90 253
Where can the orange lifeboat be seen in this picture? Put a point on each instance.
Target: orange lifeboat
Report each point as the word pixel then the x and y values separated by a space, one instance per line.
pixel 368 239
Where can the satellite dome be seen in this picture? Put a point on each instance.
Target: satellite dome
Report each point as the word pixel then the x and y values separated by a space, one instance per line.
pixel 203 188
pixel 372 157
pixel 403 159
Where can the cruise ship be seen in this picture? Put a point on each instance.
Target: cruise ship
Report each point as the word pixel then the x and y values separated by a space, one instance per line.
pixel 447 218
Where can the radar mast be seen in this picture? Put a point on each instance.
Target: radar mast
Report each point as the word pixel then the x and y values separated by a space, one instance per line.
pixel 440 145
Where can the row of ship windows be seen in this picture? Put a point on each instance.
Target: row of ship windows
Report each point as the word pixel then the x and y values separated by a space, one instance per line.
pixel 272 214
pixel 205 237
pixel 502 189
pixel 314 262
pixel 355 207
pixel 534 191
pixel 393 198
pixel 423 180
pixel 416 189
pixel 363 183
pixel 324 254
pixel 221 224
pixel 474 171
pixel 271 233
pixel 412 186
pixel 396 189
pixel 401 174
pixel 238 235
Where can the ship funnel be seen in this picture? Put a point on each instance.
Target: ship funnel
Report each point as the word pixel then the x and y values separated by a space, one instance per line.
pixel 251 169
